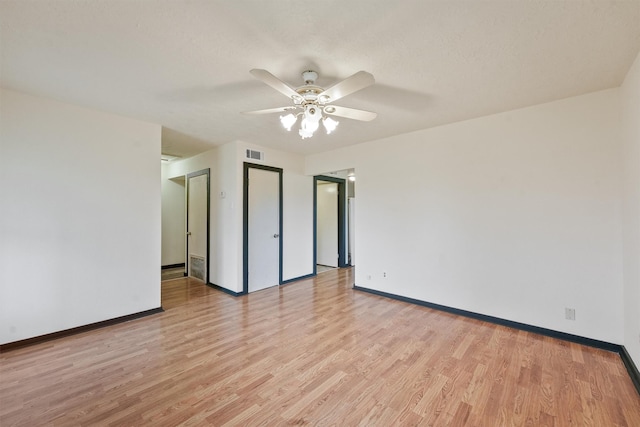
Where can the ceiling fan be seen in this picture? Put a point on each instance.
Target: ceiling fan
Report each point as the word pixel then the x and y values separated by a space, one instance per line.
pixel 310 101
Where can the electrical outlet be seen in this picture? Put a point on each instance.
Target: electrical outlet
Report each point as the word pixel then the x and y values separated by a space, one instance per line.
pixel 384 274
pixel 570 313
pixel 368 277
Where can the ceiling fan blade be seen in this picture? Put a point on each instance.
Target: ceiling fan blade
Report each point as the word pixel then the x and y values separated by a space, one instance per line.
pixel 356 82
pixel 275 83
pixel 271 110
pixel 350 113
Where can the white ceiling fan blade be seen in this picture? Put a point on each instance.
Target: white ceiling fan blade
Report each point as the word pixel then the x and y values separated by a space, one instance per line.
pixel 350 113
pixel 356 82
pixel 271 110
pixel 275 83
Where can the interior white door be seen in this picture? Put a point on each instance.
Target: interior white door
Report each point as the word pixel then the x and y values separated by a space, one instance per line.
pixel 197 227
pixel 263 229
pixel 327 224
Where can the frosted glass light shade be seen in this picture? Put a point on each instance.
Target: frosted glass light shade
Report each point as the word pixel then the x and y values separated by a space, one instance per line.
pixel 288 121
pixel 307 128
pixel 330 124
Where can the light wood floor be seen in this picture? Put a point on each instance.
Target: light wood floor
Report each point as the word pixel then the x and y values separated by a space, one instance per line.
pixel 172 273
pixel 313 352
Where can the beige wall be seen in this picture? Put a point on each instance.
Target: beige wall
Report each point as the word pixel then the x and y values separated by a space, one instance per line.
pixel 514 215
pixel 226 163
pixel 631 209
pixel 79 217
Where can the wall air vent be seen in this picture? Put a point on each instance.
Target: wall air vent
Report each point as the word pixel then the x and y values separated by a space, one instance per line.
pixel 255 154
pixel 197 266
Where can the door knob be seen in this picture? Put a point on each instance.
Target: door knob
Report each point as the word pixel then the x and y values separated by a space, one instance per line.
pixel 275 236
pixel 188 233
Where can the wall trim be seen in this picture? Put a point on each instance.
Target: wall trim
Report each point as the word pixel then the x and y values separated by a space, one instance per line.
pixel 632 369
pixel 239 294
pixel 77 330
pixel 166 267
pixel 225 290
pixel 295 279
pixel 603 345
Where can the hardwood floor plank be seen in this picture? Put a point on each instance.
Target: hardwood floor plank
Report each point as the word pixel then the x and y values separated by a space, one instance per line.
pixel 314 352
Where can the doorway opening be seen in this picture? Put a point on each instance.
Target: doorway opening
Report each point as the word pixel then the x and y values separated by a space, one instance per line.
pixel 329 223
pixel 262 227
pixel 197 225
pixel 173 228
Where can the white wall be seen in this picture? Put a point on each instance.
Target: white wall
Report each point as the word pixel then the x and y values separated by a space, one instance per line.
pixel 173 219
pixel 298 223
pixel 228 179
pixel 79 217
pixel 226 163
pixel 514 215
pixel 630 91
pixel 174 242
pixel 297 234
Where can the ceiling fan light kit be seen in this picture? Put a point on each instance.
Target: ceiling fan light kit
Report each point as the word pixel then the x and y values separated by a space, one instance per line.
pixel 288 121
pixel 313 100
pixel 311 117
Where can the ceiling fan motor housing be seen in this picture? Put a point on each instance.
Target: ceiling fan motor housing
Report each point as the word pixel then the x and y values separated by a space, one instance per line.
pixel 309 77
pixel 309 91
pixel 313 112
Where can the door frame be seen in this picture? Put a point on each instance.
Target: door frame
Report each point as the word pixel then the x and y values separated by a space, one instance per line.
pixel 245 222
pixel 206 172
pixel 342 258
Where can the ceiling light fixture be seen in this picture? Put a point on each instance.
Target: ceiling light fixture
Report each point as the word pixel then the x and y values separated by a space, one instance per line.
pixel 288 121
pixel 311 118
pixel 313 101
pixel 329 124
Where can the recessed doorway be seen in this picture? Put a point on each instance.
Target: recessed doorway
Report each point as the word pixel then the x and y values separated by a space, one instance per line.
pixel 329 237
pixel 197 236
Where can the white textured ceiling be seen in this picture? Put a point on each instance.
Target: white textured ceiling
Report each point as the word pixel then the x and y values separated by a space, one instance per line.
pixel 185 64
